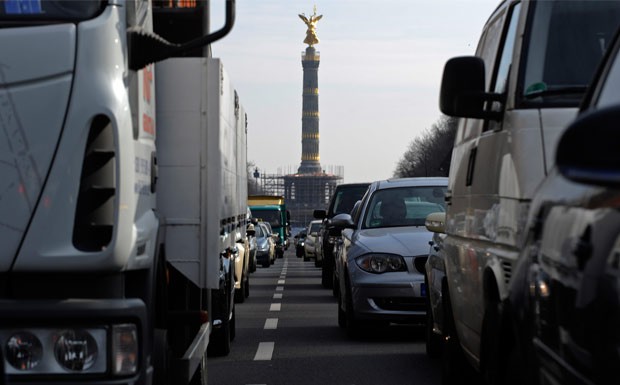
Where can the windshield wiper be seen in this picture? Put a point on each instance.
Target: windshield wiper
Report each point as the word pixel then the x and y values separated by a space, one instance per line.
pixel 540 90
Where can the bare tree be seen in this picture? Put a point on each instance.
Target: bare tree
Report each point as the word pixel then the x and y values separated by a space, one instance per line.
pixel 430 153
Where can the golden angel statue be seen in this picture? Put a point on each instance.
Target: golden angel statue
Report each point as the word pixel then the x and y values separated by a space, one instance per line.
pixel 311 38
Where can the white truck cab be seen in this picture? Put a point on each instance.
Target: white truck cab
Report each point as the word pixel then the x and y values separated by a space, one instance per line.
pixel 533 63
pixel 92 287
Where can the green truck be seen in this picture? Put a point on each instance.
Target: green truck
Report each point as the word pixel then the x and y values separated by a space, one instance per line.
pixel 272 209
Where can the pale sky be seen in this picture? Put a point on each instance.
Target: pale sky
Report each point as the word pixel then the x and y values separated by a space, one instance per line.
pixel 379 76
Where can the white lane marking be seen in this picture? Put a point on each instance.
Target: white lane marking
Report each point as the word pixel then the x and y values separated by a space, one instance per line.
pixel 275 307
pixel 265 351
pixel 280 282
pixel 279 288
pixel 271 324
pixel 277 296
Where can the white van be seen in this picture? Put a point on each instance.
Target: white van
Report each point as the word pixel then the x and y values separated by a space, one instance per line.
pixel 532 66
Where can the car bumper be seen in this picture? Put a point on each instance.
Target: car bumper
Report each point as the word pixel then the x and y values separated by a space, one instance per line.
pixel 395 301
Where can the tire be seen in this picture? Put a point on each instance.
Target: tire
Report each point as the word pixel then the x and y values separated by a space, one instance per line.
pixel 433 340
pixel 342 316
pixel 454 367
pixel 200 376
pixel 161 356
pixel 317 263
pixel 240 294
pixel 326 275
pixel 490 343
pixel 219 344
pixel 246 291
pixel 353 325
pixel 233 325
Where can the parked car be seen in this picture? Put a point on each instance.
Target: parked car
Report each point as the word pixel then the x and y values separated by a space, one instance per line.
pixel 344 198
pixel 564 303
pixel 532 67
pixel 300 242
pixel 265 244
pixel 252 243
pixel 312 244
pixel 385 245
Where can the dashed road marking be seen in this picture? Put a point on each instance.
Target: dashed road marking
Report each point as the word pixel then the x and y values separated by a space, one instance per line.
pixel 277 296
pixel 279 288
pixel 280 282
pixel 265 351
pixel 275 307
pixel 271 324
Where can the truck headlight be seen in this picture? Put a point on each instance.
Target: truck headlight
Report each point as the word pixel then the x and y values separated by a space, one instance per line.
pixel 124 349
pixel 75 350
pixel 23 351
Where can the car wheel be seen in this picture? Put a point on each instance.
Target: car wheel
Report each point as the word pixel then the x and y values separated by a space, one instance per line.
pixel 489 349
pixel 306 258
pixel 267 263
pixel 454 368
pixel 353 325
pixel 433 340
pixel 342 316
pixel 326 275
pixel 246 292
pixel 240 294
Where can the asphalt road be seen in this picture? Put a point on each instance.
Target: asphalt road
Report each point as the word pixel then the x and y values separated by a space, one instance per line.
pixel 287 333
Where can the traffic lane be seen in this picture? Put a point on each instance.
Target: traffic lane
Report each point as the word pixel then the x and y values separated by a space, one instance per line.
pixel 308 346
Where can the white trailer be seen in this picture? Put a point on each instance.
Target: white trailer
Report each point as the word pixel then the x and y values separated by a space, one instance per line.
pixel 106 274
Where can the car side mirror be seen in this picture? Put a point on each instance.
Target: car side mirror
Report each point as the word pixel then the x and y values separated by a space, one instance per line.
pixel 588 150
pixel 343 221
pixel 436 222
pixel 462 89
pixel 319 214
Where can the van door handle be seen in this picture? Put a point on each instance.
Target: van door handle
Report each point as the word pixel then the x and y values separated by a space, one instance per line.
pixel 470 166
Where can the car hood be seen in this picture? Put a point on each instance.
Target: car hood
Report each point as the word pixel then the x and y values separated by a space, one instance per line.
pixel 405 241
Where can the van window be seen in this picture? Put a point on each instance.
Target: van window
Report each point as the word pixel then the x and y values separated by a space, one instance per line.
pixel 610 92
pixel 566 41
pixel 505 63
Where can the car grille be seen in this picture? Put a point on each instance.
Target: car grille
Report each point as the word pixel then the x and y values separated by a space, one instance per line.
pixel 419 263
pixel 401 303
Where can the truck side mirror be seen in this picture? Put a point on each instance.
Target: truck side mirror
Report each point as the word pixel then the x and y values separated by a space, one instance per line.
pixel 587 151
pixel 462 89
pixel 147 47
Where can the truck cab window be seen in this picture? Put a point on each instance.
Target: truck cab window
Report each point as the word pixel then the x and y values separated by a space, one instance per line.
pixel 49 10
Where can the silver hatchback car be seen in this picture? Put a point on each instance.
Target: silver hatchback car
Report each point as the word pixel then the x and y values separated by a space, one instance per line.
pixel 384 248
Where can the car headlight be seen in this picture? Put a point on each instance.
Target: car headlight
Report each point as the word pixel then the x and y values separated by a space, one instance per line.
pixel 381 263
pixel 263 246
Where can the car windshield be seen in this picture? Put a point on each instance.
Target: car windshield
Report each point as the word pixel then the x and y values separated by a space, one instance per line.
pixel 260 233
pixel 405 206
pixel 315 227
pixel 272 217
pixel 345 199
pixel 568 39
pixel 42 10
